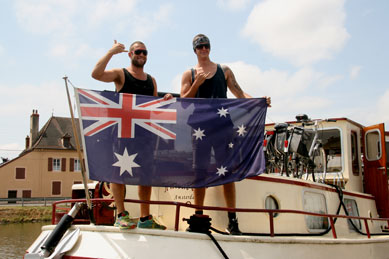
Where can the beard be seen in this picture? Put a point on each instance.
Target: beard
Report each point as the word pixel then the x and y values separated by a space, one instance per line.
pixel 138 63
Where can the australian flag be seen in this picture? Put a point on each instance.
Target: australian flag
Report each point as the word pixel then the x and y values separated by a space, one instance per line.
pixel 181 142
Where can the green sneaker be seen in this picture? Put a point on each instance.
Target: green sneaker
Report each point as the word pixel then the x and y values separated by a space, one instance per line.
pixel 125 222
pixel 150 223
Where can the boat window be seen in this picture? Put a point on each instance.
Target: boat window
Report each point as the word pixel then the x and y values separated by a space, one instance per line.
pixel 354 153
pixel 316 203
pixel 271 204
pixel 373 145
pixel 333 149
pixel 352 210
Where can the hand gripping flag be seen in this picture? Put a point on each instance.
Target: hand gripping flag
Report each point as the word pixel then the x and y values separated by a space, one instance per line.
pixel 181 142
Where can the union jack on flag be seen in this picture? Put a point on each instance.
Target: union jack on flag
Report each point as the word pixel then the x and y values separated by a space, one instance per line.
pixel 126 114
pixel 181 142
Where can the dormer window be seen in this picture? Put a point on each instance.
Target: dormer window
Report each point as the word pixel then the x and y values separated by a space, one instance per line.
pixel 66 140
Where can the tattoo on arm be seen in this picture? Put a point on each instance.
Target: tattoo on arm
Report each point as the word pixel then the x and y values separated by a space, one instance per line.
pixel 235 84
pixel 232 83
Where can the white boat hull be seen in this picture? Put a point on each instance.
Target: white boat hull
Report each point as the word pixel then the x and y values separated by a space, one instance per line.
pixel 111 242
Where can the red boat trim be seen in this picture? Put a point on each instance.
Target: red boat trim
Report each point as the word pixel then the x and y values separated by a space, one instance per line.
pixel 308 185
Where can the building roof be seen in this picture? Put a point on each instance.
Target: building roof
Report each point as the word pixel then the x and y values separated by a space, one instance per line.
pixel 53 133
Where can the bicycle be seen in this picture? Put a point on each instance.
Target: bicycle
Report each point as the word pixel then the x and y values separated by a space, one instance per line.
pixel 275 149
pixel 308 156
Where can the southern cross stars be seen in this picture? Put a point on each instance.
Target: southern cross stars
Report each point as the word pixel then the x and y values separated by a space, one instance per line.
pixel 126 162
pixel 199 134
pixel 223 112
pixel 241 130
pixel 221 171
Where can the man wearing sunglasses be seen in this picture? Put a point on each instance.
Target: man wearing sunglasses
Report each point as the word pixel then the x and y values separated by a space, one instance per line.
pixel 131 80
pixel 210 80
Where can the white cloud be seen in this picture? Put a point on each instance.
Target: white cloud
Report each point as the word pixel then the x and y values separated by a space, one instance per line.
pixel 65 22
pixel 47 98
pixel 300 31
pixel 71 49
pixel 274 82
pixel 327 81
pixel 291 93
pixel 45 16
pixel 354 72
pixel 106 11
pixel 144 25
pixel 73 17
pixel 233 5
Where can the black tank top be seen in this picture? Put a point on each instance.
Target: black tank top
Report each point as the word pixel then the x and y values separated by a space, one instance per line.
pixel 215 87
pixel 135 86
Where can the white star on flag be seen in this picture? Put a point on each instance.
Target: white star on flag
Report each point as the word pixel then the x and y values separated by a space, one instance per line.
pixel 221 171
pixel 126 162
pixel 241 130
pixel 223 112
pixel 231 145
pixel 199 134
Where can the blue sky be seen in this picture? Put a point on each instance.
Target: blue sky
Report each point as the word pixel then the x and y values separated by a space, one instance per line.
pixel 326 58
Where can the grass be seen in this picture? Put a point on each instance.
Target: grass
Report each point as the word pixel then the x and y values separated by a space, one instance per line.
pixel 11 214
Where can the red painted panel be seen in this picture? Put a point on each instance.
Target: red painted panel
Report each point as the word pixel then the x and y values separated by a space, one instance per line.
pixel 375 177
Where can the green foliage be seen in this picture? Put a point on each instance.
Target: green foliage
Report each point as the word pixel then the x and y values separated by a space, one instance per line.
pixel 24 214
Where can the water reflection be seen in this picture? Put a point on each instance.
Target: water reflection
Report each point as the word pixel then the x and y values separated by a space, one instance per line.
pixel 16 238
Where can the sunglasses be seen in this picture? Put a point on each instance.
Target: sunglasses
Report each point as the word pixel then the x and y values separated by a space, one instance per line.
pixel 201 46
pixel 139 51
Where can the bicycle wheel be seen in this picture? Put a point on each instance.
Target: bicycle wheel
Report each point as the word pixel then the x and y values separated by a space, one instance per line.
pixel 271 159
pixel 295 165
pixel 285 162
pixel 320 163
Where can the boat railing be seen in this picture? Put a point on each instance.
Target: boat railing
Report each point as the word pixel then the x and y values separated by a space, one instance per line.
pixel 270 212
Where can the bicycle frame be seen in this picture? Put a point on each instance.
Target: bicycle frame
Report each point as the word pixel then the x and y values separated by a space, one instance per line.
pixel 302 151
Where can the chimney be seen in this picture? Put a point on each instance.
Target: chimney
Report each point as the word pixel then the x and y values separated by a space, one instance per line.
pixel 34 127
pixel 27 142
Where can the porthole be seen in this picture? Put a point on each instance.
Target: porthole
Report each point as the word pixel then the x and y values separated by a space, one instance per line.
pixel 271 204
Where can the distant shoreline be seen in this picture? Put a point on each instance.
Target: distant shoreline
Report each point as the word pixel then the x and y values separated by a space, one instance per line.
pixel 16 214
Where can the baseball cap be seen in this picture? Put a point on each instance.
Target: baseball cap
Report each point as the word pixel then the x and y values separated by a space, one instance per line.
pixel 200 39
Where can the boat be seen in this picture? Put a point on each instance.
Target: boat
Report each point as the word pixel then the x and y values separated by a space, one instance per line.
pixel 344 214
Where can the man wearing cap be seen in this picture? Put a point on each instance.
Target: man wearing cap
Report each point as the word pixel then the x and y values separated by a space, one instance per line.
pixel 210 80
pixel 131 80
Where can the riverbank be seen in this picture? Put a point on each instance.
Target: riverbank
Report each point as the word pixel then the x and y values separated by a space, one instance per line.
pixel 24 214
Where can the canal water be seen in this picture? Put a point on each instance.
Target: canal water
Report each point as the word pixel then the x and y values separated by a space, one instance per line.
pixel 16 238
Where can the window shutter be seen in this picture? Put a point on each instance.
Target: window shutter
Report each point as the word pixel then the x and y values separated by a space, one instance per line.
pixel 63 165
pixel 50 164
pixel 20 173
pixel 26 193
pixel 56 188
pixel 71 165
